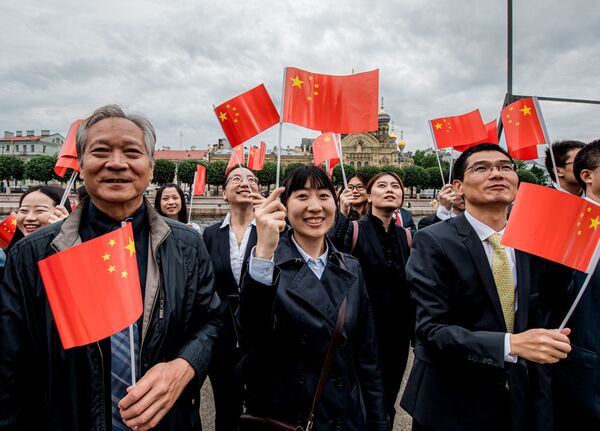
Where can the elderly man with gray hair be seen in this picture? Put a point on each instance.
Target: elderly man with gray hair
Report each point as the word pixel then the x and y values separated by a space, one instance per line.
pixel 45 387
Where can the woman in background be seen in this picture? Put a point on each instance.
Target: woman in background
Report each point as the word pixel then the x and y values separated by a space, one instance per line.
pixel 170 202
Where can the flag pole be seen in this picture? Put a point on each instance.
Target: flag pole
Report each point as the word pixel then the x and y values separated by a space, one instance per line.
pixel 192 195
pixel 338 138
pixel 547 139
pixel 437 152
pixel 69 186
pixel 450 168
pixel 278 170
pixel 131 341
pixel 590 272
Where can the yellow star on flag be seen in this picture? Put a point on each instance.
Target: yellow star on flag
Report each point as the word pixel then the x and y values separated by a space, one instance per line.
pixel 106 257
pixel 327 139
pixel 124 274
pixel 594 222
pixel 223 116
pixel 112 242
pixel 526 110
pixel 438 126
pixel 131 247
pixel 297 82
pixel 111 269
pixel 13 222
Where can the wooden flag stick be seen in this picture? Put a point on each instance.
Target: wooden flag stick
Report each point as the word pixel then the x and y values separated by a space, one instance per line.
pixel 68 189
pixel 339 145
pixel 278 170
pixel 547 139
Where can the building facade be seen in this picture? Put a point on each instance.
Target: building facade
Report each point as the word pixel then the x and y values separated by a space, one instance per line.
pixel 30 145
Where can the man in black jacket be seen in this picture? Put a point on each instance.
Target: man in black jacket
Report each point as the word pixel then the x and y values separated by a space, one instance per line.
pixel 43 386
pixel 564 155
pixel 451 204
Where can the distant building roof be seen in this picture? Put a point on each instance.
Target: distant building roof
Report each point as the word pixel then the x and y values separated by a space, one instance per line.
pixel 180 154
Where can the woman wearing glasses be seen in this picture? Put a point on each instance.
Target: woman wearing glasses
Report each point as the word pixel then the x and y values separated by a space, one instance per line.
pixel 353 200
pixel 381 247
pixel 229 243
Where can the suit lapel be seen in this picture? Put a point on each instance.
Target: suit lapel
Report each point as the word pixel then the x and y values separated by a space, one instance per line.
pixel 523 289
pixel 224 253
pixel 481 263
pixel 251 243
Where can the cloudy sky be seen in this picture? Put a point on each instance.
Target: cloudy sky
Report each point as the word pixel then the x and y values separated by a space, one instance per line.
pixel 172 60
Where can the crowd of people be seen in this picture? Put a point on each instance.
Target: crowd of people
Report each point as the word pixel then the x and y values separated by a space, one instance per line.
pixel 302 307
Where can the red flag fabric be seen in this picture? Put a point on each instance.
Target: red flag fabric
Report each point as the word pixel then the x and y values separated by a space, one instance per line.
pixel 460 130
pixel 340 104
pixel 8 227
pixel 93 288
pixel 522 128
pixel 233 160
pixel 491 138
pixel 200 180
pixel 256 157
pixel 247 115
pixel 67 158
pixel 554 225
pixel 529 153
pixel 324 148
pixel 330 165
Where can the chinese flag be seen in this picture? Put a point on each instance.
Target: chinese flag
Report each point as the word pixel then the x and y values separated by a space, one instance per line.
pixel 330 165
pixel 94 288
pixel 522 128
pixel 325 148
pixel 459 131
pixel 340 104
pixel 256 157
pixel 554 225
pixel 200 180
pixel 67 158
pixel 491 138
pixel 8 227
pixel 246 115
pixel 233 160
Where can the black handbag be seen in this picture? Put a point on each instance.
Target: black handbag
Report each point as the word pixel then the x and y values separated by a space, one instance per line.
pixel 249 422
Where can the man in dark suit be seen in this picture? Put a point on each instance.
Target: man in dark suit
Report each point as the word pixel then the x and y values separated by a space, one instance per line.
pixel 475 300
pixel 564 156
pixel 451 204
pixel 576 386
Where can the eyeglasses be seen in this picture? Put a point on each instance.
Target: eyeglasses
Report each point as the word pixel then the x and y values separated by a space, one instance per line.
pixel 357 187
pixel 239 180
pixel 488 168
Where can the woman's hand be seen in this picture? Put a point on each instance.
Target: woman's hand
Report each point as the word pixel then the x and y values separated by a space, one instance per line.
pixel 59 213
pixel 346 201
pixel 257 199
pixel 270 222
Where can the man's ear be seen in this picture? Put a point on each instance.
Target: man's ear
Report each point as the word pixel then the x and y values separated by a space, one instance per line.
pixel 586 176
pixel 560 172
pixel 457 185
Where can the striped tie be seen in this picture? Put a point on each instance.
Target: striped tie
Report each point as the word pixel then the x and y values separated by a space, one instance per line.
pixel 120 371
pixel 504 281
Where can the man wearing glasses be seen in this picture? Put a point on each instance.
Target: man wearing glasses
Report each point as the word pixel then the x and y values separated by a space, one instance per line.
pixel 474 311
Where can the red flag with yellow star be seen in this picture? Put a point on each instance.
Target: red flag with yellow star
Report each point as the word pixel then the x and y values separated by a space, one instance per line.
pixel 256 157
pixel 460 130
pixel 8 227
pixel 554 225
pixel 340 104
pixel 523 129
pixel 491 138
pixel 200 180
pixel 67 158
pixel 93 288
pixel 246 115
pixel 325 148
pixel 236 154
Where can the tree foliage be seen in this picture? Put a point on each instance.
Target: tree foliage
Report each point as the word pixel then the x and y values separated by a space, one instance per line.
pixel 434 178
pixel 428 160
pixel 164 172
pixel 337 173
pixel 11 168
pixel 266 177
pixel 414 176
pixel 40 169
pixel 186 171
pixel 526 176
pixel 539 173
pixel 215 172
pixel 369 171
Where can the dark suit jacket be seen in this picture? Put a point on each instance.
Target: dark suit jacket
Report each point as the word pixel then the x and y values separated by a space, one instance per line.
pixel 459 377
pixel 428 221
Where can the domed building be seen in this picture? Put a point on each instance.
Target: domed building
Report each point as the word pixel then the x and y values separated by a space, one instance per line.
pixel 377 148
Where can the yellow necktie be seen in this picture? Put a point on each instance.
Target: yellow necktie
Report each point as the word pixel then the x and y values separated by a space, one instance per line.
pixel 504 280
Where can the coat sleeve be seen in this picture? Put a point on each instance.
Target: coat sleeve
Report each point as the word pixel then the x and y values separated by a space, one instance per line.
pixel 369 370
pixel 430 277
pixel 204 328
pixel 341 233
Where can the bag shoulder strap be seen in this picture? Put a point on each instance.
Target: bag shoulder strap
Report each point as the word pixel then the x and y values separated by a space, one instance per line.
pixel 335 339
pixel 409 238
pixel 354 234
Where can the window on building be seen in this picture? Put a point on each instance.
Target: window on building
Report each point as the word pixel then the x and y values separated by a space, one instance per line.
pixel 44 149
pixel 16 148
pixel 352 163
pixel 366 164
pixel 7 148
pixel 358 164
pixel 32 148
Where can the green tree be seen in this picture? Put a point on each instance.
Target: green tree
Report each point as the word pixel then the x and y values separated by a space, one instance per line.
pixel 369 171
pixel 392 168
pixel 215 173
pixel 164 172
pixel 11 168
pixel 289 168
pixel 267 175
pixel 539 173
pixel 414 176
pixel 337 173
pixel 527 176
pixel 434 178
pixel 40 169
pixel 428 160
pixel 186 171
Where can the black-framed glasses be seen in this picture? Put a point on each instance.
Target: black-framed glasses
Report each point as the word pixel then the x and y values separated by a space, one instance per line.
pixel 481 168
pixel 357 187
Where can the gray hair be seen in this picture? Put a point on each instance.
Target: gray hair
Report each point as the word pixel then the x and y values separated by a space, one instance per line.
pixel 115 111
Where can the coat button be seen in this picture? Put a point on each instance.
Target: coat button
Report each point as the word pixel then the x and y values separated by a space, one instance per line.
pixel 338 423
pixel 302 379
pixel 343 343
pixel 304 339
pixel 339 383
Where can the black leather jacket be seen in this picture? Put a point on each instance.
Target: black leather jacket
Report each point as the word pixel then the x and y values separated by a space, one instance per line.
pixel 44 387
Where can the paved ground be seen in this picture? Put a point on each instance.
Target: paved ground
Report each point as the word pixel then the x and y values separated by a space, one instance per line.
pixel 402 422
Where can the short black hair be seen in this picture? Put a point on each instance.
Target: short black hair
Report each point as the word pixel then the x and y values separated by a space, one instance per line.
pixel 588 158
pixel 560 150
pixel 182 216
pixel 461 163
pixel 316 177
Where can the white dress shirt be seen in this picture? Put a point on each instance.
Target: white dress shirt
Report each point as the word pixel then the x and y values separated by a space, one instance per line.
pixel 237 253
pixel 483 231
